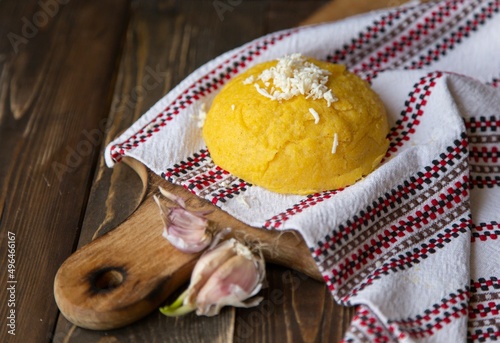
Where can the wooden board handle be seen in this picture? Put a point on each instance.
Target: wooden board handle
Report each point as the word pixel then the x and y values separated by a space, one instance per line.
pixel 129 272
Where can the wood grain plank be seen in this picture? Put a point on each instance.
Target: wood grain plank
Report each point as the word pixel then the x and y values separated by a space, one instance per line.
pixel 295 308
pixel 284 14
pixel 54 90
pixel 338 9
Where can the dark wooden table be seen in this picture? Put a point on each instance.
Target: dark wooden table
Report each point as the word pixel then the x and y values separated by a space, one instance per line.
pixel 74 74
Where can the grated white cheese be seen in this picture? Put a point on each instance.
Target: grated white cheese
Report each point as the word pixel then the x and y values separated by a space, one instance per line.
pixel 294 75
pixel 202 115
pixel 314 114
pixel 249 80
pixel 243 199
pixel 233 107
pixel 263 92
pixel 335 143
pixel 328 96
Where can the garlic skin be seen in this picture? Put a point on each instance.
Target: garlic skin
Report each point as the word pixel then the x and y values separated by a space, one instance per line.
pixel 229 274
pixel 185 230
pixel 232 284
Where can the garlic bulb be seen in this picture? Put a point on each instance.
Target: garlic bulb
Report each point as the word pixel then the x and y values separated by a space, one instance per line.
pixel 229 274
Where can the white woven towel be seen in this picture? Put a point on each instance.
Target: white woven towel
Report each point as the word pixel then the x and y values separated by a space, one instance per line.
pixel 415 243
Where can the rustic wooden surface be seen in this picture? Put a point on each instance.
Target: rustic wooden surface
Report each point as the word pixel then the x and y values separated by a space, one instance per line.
pixel 73 74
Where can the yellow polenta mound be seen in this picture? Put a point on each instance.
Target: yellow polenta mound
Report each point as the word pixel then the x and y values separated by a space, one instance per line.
pixel 299 144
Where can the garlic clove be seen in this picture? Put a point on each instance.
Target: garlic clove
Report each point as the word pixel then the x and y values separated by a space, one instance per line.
pixel 175 198
pixel 208 263
pixel 236 280
pixel 184 229
pixel 187 220
pixel 229 274
pixel 188 236
pixel 185 244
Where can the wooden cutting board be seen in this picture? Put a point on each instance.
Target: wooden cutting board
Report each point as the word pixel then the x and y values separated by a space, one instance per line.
pixel 130 271
pixel 127 273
